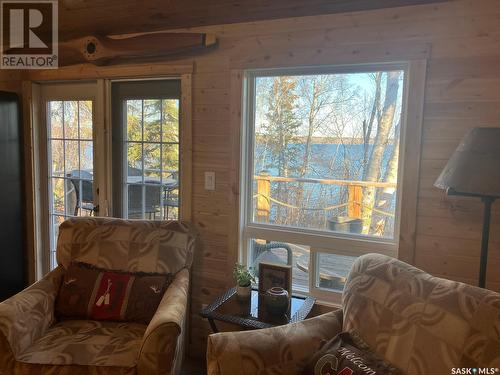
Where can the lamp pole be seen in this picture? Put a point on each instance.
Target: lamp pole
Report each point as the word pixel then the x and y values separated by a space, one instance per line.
pixel 485 239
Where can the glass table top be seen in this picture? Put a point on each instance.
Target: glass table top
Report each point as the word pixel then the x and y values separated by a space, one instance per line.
pixel 252 312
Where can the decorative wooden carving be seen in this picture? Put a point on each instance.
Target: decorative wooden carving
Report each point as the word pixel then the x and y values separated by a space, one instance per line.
pixel 101 50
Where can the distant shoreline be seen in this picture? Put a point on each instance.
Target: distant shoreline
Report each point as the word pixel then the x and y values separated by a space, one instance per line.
pixel 323 140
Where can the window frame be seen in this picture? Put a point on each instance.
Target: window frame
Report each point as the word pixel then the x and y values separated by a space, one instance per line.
pixel 319 241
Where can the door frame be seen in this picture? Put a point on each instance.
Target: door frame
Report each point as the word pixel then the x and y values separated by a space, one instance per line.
pixel 38 256
pixel 53 92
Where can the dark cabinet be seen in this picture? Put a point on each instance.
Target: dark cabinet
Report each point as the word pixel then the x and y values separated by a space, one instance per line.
pixel 12 254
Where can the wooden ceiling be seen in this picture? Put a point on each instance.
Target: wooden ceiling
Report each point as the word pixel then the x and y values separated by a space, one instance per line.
pixel 79 18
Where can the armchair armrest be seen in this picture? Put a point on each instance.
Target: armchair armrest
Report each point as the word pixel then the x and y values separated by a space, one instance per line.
pixel 25 316
pixel 163 340
pixel 279 350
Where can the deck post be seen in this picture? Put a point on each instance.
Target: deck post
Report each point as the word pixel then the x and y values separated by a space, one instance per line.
pixel 355 194
pixel 263 195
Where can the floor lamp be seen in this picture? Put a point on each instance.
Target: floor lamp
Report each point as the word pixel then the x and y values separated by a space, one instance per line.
pixel 474 171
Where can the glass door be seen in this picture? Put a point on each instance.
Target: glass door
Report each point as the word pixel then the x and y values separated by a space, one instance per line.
pixel 70 155
pixel 146 149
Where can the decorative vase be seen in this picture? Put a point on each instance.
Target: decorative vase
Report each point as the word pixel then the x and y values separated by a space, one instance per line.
pixel 277 301
pixel 243 293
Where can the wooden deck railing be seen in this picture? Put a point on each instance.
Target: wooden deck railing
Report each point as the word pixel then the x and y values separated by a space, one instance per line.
pixel 354 193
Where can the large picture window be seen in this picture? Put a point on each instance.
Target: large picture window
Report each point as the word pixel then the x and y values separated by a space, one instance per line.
pixel 322 169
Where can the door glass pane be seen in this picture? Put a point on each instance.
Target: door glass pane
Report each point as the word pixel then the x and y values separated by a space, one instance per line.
pixel 57 154
pixel 135 201
pixel 152 163
pixel 85 108
pixel 170 160
pixel 170 109
pixel 134 159
pixel 326 151
pixel 56 119
pixel 152 120
pixel 71 163
pixel 70 115
pixel 86 155
pixel 58 192
pixel 134 120
pixel 71 156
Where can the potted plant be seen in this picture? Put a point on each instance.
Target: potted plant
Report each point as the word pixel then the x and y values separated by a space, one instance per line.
pixel 244 279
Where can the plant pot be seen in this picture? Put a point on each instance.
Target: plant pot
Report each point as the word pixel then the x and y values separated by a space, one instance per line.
pixel 277 301
pixel 345 224
pixel 243 293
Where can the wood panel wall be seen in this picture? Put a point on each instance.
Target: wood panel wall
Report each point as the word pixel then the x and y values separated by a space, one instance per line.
pixel 10 80
pixel 462 42
pixel 462 92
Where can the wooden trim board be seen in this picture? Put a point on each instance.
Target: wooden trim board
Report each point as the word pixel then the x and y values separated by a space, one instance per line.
pixel 411 164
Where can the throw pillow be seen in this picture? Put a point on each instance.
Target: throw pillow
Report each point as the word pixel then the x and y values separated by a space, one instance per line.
pixel 90 293
pixel 347 354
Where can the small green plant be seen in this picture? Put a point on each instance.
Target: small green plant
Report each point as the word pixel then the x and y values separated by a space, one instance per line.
pixel 243 275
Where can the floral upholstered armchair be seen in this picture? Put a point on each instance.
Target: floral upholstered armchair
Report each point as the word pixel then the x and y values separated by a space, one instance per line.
pixel 34 341
pixel 421 324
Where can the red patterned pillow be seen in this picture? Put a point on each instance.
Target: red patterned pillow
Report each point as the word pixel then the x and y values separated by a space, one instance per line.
pixel 90 293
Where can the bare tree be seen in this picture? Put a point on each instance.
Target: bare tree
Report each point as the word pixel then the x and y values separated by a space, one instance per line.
pixel 368 125
pixel 381 139
pixel 387 194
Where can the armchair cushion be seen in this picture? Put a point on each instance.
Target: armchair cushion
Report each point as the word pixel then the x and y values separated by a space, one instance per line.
pixel 279 350
pixel 87 342
pixel 126 245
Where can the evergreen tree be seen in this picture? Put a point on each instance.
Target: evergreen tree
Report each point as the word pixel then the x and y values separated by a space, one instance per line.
pixel 279 135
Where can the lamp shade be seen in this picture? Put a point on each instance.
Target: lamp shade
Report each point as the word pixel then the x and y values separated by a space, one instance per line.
pixel 474 168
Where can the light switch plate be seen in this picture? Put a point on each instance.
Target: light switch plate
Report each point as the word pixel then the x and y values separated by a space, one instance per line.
pixel 209 180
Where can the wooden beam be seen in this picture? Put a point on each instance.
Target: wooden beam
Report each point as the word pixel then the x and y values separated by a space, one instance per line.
pixel 111 17
pixel 89 71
